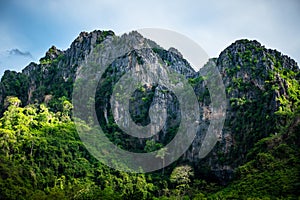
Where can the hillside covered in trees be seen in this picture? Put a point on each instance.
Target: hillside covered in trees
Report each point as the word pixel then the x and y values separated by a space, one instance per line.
pixel 257 156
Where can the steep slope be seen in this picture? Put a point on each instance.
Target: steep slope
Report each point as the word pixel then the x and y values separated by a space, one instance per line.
pixel 262 88
pixel 272 167
pixel 54 75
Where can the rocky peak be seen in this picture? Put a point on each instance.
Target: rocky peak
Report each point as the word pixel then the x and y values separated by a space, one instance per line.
pixel 175 51
pixel 84 44
pixel 174 60
pixel 250 52
pixel 52 53
pixel 250 64
pixel 29 68
pixel 244 44
pixel 86 39
pixel 134 34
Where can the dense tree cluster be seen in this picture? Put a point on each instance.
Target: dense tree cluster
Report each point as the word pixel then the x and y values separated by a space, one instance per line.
pixel 42 157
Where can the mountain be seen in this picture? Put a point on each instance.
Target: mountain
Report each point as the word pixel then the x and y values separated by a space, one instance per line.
pixel 260 134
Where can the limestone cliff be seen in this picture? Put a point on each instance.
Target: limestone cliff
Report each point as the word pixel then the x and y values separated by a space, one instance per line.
pixel 259 87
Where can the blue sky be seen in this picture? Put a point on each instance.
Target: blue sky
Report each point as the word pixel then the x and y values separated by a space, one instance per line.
pixel 28 28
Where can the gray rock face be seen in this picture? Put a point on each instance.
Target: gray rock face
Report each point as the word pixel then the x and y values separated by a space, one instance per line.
pixel 248 71
pixel 252 89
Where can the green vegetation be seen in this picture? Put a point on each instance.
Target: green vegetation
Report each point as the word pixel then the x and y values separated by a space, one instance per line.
pixel 13 83
pixel 272 171
pixel 42 156
pixel 45 61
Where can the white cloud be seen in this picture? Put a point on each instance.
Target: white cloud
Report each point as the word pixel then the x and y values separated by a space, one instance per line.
pixel 18 52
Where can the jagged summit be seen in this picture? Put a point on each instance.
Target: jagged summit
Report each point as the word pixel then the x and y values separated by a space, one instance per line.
pixel 52 54
pixel 174 50
pixel 252 49
pixel 246 42
pixel 94 37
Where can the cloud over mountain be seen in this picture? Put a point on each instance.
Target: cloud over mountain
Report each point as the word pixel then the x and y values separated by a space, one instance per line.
pixel 18 52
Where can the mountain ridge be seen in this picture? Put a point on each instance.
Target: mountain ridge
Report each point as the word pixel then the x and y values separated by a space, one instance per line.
pixel 256 155
pixel 262 89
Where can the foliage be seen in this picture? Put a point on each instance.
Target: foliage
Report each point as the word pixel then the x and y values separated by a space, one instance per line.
pixel 42 157
pixel 271 172
pixel 181 177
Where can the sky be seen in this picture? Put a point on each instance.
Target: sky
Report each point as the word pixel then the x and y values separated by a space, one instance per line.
pixel 29 28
